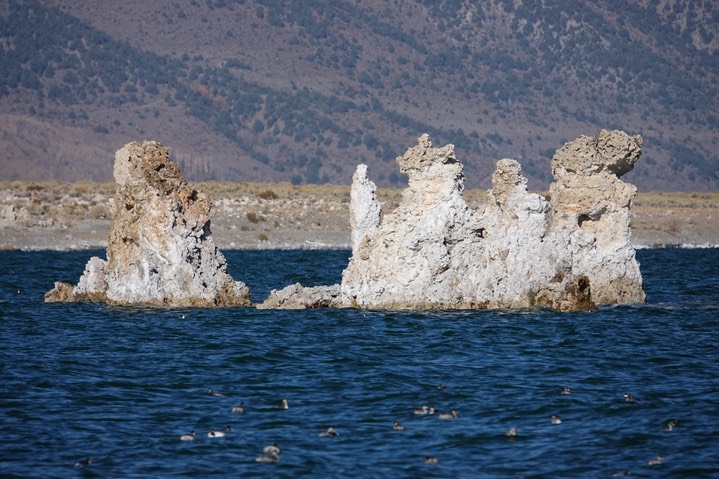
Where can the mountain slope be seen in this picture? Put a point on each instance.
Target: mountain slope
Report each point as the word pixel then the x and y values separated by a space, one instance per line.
pixel 303 91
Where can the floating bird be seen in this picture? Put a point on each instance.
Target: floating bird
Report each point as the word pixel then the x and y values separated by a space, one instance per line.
pixel 182 316
pixel 212 392
pixel 630 398
pixel 421 411
pixel 239 409
pixel 441 387
pixel 566 390
pixel 83 462
pixel 329 432
pixel 431 410
pixel 271 449
pixel 188 437
pixel 267 458
pixel 431 460
pixel 555 420
pixel 449 415
pixel 671 425
pixel 656 461
pixel 397 426
pixel 214 433
pixel 622 473
pixel 283 404
pixel 270 453
pixel 512 432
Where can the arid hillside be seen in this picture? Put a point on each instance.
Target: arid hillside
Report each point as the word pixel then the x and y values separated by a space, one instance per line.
pixel 301 92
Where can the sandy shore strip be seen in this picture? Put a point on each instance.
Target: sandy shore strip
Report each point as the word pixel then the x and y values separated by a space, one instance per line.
pixel 72 216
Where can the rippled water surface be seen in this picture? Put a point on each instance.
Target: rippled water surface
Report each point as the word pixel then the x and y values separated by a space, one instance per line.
pixel 121 384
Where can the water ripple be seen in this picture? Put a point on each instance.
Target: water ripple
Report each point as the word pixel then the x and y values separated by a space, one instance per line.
pixel 121 384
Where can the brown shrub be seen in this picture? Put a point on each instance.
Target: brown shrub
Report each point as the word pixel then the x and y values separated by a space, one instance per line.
pixel 267 195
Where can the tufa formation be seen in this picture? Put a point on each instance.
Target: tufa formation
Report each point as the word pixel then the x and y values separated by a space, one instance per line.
pixel 568 253
pixel 160 248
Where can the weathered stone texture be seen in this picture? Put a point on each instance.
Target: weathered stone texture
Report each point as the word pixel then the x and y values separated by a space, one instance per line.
pixel 590 204
pixel 415 258
pixel 365 210
pixel 521 251
pixel 160 248
pixel 295 296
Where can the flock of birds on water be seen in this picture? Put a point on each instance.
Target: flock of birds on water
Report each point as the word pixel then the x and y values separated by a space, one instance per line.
pixel 271 452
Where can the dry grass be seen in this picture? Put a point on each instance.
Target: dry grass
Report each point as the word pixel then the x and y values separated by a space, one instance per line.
pixel 53 190
pixel 22 188
pixel 269 191
pixel 246 213
pixel 678 200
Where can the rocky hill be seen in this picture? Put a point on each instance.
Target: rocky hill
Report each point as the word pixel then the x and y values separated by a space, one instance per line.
pixel 276 90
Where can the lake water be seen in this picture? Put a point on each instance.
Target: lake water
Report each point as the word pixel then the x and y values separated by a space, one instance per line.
pixel 121 384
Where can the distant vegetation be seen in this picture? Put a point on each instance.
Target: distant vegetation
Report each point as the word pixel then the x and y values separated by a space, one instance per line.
pixel 495 78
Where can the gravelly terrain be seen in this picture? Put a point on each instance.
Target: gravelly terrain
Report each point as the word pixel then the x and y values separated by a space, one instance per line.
pixel 253 215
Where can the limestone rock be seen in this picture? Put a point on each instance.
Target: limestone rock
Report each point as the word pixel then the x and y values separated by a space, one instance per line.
pixel 521 251
pixel 520 266
pixel 92 285
pixel 61 293
pixel 590 210
pixel 420 255
pixel 365 210
pixel 296 296
pixel 160 247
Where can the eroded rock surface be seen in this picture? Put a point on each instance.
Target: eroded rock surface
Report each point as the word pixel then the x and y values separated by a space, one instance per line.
pixel 160 247
pixel 296 296
pixel 590 205
pixel 419 255
pixel 365 210
pixel 522 251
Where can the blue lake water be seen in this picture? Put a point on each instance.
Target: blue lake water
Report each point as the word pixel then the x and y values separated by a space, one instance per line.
pixel 121 384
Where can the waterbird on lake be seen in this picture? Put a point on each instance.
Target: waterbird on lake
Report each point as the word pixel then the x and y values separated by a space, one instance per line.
pixel 566 390
pixel 421 411
pixel 555 420
pixel 431 460
pixel 214 433
pixel 267 458
pixel 622 473
pixel 397 426
pixel 630 398
pixel 329 432
pixel 212 392
pixel 271 449
pixel 441 387
pixel 512 432
pixel 671 425
pixel 283 404
pixel 449 415
pixel 239 409
pixel 656 461
pixel 83 462
pixel 188 437
pixel 270 453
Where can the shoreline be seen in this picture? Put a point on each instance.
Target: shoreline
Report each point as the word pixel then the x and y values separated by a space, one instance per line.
pixel 265 216
pixel 300 246
pixel 73 239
